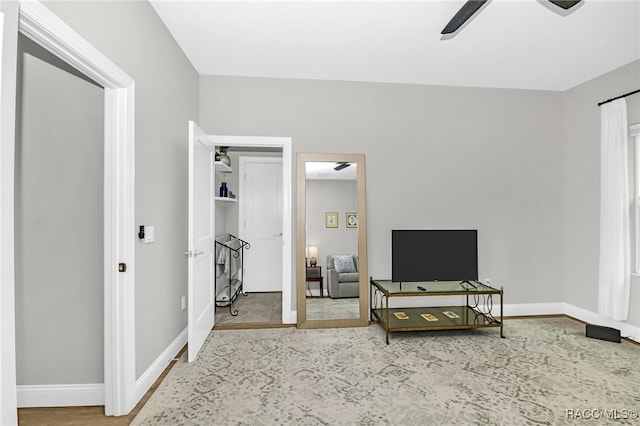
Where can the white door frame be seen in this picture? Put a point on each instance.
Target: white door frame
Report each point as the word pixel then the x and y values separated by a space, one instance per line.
pixel 288 315
pixel 43 27
pixel 8 397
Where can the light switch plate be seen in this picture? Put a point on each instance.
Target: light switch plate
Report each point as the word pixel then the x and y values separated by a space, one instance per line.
pixel 149 234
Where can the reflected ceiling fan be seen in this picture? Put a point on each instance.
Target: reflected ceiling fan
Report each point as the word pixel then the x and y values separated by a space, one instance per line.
pixel 472 6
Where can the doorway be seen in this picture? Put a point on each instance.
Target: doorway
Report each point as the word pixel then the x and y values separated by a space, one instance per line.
pixel 256 218
pixel 118 393
pixel 59 206
pixel 261 302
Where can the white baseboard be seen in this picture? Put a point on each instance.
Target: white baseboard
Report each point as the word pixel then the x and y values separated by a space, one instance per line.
pixel 148 378
pixel 529 309
pixel 626 330
pixel 60 395
pixel 76 395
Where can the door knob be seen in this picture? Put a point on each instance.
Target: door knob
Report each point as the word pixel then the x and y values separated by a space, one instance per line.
pixel 195 253
pixel 122 267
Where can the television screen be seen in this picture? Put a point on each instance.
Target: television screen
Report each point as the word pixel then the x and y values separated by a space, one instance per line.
pixel 434 255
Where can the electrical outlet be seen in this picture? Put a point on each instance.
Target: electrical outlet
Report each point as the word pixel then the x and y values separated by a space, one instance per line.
pixel 183 301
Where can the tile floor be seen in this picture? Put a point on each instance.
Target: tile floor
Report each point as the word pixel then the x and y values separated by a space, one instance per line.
pixel 253 308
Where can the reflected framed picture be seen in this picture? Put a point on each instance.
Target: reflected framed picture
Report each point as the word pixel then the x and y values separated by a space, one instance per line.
pixel 331 219
pixel 352 220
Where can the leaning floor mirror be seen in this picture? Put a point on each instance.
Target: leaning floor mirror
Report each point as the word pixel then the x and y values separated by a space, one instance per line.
pixel 331 241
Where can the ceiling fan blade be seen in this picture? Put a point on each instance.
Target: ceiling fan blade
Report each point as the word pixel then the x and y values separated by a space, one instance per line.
pixel 466 11
pixel 565 4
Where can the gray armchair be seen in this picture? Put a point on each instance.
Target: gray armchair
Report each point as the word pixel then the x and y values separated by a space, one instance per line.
pixel 342 275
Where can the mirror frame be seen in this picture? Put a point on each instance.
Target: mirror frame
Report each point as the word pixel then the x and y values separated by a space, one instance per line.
pixel 363 319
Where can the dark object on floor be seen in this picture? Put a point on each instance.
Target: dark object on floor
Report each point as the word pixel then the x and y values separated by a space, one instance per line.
pixel 603 333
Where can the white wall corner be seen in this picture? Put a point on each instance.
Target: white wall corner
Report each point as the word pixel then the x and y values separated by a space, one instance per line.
pixel 60 395
pixel 148 378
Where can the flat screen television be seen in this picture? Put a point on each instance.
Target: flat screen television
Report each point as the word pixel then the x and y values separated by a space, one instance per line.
pixel 434 255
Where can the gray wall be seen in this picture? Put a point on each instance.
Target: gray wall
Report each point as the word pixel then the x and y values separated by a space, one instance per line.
pixel 59 221
pixel 166 96
pixel 331 196
pixel 436 157
pixel 581 153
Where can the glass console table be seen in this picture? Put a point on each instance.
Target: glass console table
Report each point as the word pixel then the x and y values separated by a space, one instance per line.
pixel 477 313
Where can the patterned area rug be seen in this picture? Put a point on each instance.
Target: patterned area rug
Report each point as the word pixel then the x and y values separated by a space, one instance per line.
pixel 543 373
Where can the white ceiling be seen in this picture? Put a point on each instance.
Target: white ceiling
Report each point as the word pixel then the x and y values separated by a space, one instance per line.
pixel 528 44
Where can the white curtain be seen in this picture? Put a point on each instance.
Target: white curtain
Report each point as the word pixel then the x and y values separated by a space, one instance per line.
pixel 615 268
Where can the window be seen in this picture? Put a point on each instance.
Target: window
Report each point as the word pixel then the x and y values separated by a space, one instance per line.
pixel 634 142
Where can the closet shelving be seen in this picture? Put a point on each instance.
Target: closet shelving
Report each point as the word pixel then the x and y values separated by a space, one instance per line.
pixel 229 252
pixel 226 199
pixel 223 168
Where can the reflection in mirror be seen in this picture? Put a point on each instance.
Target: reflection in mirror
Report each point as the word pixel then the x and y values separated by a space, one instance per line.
pixel 332 241
pixel 331 194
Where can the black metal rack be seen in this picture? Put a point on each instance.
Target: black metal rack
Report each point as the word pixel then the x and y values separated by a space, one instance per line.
pixel 229 270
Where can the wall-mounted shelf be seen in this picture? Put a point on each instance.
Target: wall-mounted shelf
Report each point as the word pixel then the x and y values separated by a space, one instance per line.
pixel 222 167
pixel 226 199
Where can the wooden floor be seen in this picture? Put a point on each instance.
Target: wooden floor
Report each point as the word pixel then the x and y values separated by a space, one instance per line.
pixel 75 416
pixel 84 416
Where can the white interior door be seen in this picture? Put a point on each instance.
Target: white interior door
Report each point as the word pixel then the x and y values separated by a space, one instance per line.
pixel 261 222
pixel 200 252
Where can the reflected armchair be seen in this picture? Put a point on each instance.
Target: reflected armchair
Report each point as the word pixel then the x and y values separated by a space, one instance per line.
pixel 342 275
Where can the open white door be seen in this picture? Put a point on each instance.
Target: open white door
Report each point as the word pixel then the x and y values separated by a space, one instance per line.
pixel 200 252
